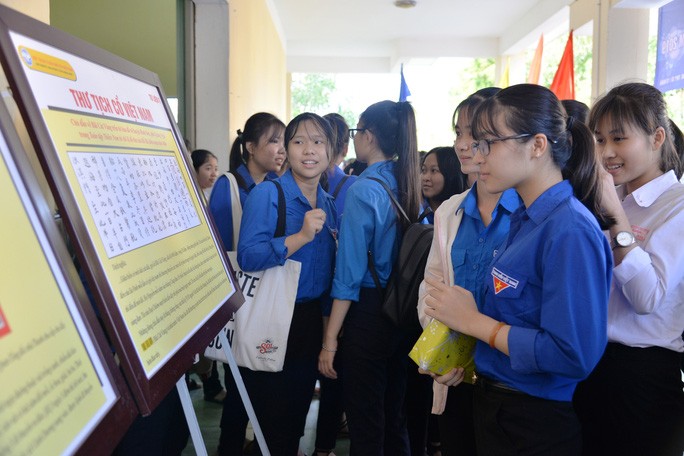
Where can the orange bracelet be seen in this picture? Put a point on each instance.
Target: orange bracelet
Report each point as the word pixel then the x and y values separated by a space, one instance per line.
pixel 495 332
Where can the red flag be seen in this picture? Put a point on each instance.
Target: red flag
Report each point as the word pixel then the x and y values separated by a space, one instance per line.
pixel 563 84
pixel 535 66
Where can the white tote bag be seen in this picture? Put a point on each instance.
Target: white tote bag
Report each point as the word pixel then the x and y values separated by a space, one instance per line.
pixel 259 330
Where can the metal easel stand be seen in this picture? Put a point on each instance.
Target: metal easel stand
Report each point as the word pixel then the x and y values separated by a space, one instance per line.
pixel 191 417
pixel 243 394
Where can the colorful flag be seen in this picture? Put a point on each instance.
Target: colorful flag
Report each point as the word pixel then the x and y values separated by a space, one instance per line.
pixel 404 91
pixel 504 80
pixel 563 84
pixel 535 66
pixel 669 73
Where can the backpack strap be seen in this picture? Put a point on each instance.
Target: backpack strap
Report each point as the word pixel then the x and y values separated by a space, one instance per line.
pixel 235 205
pixel 371 263
pixel 393 198
pixel 374 274
pixel 280 225
pixel 339 186
pixel 240 181
pixel 424 214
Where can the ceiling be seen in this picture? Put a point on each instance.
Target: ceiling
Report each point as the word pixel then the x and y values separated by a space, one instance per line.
pixel 376 36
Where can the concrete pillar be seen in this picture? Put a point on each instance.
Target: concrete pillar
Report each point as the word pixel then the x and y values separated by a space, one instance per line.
pixel 207 77
pixel 620 46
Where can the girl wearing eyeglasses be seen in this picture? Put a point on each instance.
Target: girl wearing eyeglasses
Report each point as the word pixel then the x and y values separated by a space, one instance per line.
pixel 633 401
pixel 541 327
pixel 375 352
pixel 470 228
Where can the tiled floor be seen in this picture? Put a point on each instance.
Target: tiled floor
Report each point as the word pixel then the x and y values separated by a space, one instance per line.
pixel 209 416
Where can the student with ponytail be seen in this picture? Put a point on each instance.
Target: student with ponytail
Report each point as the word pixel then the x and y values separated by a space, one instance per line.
pixel 541 327
pixel 375 352
pixel 469 229
pixel 281 400
pixel 633 403
pixel 258 153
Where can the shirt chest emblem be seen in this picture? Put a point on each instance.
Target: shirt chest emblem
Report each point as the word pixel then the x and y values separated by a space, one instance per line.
pixel 502 281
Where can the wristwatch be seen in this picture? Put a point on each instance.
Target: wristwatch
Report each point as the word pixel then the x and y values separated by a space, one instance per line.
pixel 622 239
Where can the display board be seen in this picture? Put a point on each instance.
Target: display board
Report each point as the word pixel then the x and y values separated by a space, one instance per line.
pixel 115 161
pixel 61 389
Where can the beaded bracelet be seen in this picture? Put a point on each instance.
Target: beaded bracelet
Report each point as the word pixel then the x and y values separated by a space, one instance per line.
pixel 327 349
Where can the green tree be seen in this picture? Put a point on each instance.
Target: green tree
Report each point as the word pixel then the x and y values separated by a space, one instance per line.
pixel 311 92
pixel 476 75
pixel 482 71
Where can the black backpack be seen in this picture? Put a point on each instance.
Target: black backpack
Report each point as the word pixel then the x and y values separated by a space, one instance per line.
pixel 400 300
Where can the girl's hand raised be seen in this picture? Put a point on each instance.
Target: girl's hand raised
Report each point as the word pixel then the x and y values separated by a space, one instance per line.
pixel 314 222
pixel 610 201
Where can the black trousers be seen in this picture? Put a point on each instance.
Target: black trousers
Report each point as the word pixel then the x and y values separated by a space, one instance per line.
pixel 375 359
pixel 514 423
pixel 163 433
pixel 456 424
pixel 632 403
pixel 418 405
pixel 281 400
pixel 330 407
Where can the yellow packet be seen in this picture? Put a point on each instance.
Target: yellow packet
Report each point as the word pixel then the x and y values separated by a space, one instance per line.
pixel 440 349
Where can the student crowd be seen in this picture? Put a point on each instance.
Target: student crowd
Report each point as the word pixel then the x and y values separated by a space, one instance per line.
pixel 558 245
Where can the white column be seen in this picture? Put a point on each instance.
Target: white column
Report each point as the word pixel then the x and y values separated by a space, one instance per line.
pixel 207 94
pixel 620 46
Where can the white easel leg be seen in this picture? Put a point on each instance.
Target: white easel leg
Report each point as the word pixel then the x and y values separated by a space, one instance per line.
pixel 243 394
pixel 191 417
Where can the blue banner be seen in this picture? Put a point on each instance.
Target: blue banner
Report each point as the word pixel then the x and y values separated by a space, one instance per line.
pixel 669 74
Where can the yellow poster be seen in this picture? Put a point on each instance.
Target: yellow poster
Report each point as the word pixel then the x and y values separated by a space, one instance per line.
pixel 116 147
pixel 156 250
pixel 53 388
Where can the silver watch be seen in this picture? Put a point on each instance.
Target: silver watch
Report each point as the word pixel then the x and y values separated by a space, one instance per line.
pixel 622 239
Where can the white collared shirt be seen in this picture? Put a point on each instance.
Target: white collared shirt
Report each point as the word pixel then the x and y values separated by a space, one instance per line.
pixel 646 306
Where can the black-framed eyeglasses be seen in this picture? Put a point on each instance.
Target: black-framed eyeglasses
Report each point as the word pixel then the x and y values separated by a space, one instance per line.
pixel 354 131
pixel 483 145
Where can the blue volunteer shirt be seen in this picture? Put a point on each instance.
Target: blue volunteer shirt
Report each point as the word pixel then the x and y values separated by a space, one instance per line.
pixel 370 222
pixel 551 284
pixel 249 182
pixel 221 207
pixel 258 249
pixel 476 245
pixel 335 176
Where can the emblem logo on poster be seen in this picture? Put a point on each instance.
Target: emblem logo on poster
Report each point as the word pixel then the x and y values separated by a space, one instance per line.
pixel 26 55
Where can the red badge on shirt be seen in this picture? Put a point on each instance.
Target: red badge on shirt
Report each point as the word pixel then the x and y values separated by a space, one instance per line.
pixel 499 285
pixel 502 281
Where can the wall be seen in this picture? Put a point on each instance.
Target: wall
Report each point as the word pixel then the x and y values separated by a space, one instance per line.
pixel 257 66
pixel 40 10
pixel 37 9
pixel 143 32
